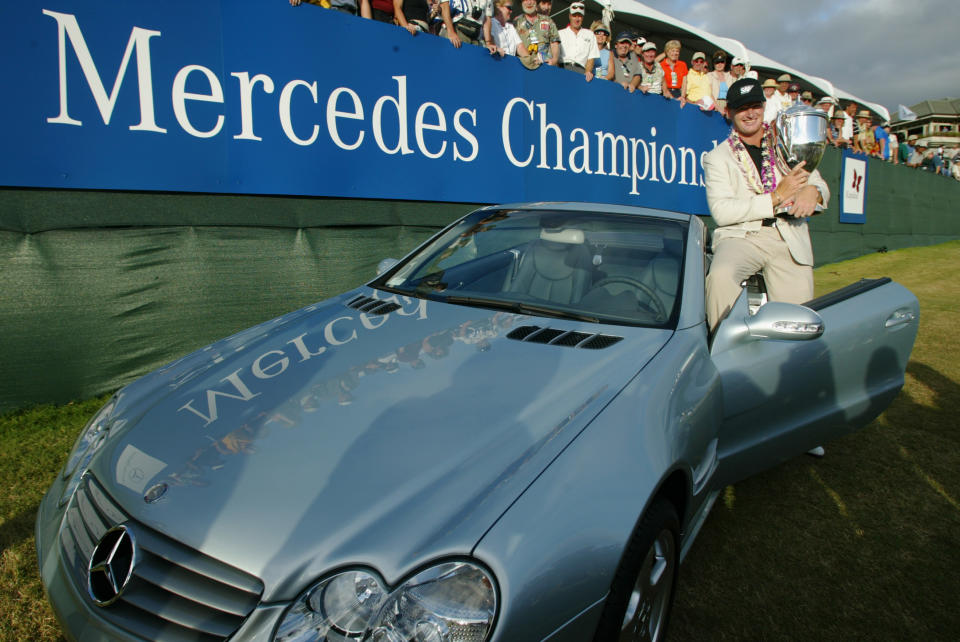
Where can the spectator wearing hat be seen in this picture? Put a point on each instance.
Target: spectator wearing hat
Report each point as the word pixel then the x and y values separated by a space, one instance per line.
pixel 906 150
pixel 602 33
pixel 649 80
pixel 865 142
pixel 504 34
pixel 783 85
pixel 918 156
pixel 825 104
pixel 638 42
pixel 835 131
pixel 883 141
pixel 807 98
pixel 745 189
pixel 623 64
pixel 894 143
pixel 696 86
pixel 771 105
pixel 738 68
pixel 793 93
pixel 720 79
pixel 674 69
pixel 578 46
pixel 539 35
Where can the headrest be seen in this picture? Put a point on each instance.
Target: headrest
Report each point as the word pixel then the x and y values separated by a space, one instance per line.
pixel 561 235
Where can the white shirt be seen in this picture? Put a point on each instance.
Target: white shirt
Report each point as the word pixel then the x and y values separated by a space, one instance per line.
pixel 578 47
pixel 771 108
pixel 847 130
pixel 505 36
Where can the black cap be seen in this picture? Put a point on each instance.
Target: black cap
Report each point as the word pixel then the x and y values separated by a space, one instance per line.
pixel 745 91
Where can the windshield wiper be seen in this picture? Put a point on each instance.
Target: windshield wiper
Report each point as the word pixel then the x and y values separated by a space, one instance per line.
pixel 519 307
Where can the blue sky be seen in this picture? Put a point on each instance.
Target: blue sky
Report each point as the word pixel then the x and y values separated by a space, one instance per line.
pixel 884 51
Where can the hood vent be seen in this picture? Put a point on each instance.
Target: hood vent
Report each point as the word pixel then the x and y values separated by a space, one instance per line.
pixel 552 336
pixel 369 305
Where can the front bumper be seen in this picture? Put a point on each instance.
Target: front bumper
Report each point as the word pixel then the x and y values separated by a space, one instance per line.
pixel 79 618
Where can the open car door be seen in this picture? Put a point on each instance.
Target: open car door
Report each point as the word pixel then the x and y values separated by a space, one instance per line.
pixel 795 377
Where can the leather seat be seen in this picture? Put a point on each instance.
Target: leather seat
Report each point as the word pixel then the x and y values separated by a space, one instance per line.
pixel 552 271
pixel 663 277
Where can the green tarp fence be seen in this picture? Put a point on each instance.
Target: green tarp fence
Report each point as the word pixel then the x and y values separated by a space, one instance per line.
pixel 101 287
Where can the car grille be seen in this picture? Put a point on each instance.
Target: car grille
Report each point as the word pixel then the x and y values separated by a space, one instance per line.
pixel 175 593
pixel 369 305
pixel 570 339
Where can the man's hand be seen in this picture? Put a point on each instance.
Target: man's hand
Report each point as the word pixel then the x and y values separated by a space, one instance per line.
pixel 453 38
pixel 805 203
pixel 791 183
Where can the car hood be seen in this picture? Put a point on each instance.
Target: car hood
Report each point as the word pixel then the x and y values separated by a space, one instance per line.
pixel 331 436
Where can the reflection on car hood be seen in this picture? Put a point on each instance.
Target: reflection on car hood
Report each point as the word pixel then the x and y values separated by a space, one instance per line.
pixel 330 436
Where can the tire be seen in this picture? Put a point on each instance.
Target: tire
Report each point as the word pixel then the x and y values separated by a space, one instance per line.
pixel 641 594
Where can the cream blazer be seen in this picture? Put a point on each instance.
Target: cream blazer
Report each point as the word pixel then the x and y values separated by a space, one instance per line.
pixel 737 209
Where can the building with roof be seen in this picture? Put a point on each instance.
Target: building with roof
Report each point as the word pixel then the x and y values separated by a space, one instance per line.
pixel 937 123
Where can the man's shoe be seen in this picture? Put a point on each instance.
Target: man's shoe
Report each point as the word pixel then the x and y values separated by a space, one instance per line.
pixel 817 452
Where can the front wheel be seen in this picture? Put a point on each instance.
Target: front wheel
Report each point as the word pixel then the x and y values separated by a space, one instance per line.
pixel 641 594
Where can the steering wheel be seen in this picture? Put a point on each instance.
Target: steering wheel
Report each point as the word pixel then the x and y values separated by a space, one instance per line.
pixel 660 313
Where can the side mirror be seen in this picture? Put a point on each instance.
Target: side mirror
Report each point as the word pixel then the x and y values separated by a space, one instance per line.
pixel 774 320
pixel 385 265
pixel 784 321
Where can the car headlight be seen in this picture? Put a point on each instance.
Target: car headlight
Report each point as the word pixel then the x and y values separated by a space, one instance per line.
pixel 449 602
pixel 87 445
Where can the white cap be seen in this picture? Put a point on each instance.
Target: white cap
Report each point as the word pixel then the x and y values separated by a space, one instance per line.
pixel 577 8
pixel 649 45
pixel 737 60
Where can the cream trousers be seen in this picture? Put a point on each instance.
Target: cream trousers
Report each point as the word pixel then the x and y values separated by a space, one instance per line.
pixel 735 259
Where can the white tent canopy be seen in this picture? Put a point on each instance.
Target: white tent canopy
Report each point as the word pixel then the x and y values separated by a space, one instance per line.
pixel 650 20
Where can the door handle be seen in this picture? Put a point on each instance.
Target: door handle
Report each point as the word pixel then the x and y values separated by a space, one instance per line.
pixel 901 316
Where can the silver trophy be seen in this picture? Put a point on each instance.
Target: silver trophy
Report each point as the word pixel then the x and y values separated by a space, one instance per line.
pixel 801 135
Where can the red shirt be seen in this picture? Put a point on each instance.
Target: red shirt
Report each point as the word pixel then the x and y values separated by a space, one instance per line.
pixel 673 78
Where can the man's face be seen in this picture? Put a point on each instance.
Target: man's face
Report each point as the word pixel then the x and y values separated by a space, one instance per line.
pixel 850 109
pixel 576 20
pixel 544 7
pixel 623 48
pixel 748 119
pixel 649 56
pixel 782 86
pixel 793 95
pixel 699 64
pixel 737 70
pixel 529 6
pixel 768 91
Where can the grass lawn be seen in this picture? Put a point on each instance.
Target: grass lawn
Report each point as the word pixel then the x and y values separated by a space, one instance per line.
pixel 863 544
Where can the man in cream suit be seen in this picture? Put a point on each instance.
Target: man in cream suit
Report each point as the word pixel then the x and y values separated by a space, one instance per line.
pixel 744 191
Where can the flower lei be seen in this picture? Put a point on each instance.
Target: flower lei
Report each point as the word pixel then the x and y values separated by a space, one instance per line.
pixel 765 181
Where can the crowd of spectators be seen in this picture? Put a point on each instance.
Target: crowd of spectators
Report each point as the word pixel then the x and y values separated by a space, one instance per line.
pixel 637 65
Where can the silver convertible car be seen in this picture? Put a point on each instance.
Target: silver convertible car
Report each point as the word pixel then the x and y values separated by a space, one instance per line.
pixel 512 434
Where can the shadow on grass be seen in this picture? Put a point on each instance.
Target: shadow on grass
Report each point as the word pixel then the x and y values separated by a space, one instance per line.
pixel 858 545
pixel 18 528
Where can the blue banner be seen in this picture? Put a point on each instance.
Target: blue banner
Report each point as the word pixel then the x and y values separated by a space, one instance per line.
pixel 258 97
pixel 853 182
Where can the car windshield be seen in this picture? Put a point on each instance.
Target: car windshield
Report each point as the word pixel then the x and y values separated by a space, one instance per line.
pixel 589 266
